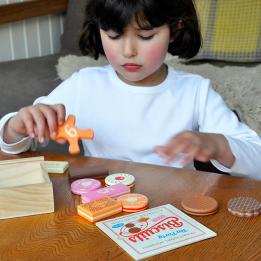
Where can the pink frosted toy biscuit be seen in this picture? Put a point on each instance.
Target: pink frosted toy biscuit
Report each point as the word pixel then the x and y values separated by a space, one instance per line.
pixel 113 191
pixel 82 186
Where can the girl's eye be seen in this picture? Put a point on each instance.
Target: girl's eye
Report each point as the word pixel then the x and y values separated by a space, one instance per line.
pixel 114 37
pixel 146 37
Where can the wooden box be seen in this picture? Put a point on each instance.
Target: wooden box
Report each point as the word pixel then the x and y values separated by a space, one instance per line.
pixel 25 188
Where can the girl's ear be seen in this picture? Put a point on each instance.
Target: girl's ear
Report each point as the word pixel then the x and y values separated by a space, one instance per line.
pixel 179 26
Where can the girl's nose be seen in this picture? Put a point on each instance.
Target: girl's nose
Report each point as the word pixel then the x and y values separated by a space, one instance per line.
pixel 129 48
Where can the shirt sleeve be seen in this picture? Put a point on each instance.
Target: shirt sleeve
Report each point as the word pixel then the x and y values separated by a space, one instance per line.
pixel 14 148
pixel 245 144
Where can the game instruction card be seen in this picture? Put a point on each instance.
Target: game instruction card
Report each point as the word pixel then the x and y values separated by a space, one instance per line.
pixel 154 231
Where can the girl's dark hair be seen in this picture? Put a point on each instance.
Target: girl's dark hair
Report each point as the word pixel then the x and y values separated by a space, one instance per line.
pixel 115 15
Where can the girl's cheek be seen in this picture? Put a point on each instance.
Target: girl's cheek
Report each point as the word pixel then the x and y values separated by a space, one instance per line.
pixel 111 54
pixel 155 54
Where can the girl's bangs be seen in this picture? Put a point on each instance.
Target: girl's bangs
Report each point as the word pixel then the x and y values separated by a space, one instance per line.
pixel 116 15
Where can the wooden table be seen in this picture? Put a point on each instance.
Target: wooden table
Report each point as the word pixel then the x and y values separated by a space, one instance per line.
pixel 63 235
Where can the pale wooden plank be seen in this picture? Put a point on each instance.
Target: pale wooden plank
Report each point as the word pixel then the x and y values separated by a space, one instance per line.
pixel 21 160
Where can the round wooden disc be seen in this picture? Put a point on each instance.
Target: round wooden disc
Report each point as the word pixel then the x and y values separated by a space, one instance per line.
pixel 199 205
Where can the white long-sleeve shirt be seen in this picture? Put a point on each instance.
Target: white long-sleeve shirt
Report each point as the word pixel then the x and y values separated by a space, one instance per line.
pixel 129 121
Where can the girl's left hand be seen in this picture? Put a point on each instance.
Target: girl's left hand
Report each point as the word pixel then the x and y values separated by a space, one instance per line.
pixel 198 146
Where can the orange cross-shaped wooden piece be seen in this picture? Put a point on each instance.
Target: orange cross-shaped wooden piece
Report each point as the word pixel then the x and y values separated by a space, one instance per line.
pixel 69 132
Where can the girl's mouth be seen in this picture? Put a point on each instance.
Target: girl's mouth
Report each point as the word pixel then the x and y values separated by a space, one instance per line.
pixel 131 67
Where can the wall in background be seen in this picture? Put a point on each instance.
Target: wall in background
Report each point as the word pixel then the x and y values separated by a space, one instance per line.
pixel 30 38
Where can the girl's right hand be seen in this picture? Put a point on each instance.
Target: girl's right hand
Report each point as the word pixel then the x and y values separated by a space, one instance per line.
pixel 37 121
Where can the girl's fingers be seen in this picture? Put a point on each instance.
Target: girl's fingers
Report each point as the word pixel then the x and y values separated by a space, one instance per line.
pixel 60 113
pixel 28 122
pixel 40 120
pixel 161 150
pixel 50 118
pixel 187 146
pixel 177 150
pixel 186 159
pixel 204 155
pixel 40 124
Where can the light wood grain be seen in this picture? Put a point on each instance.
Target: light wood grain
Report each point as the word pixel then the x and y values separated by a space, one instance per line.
pixel 63 235
pixel 29 159
pixel 25 188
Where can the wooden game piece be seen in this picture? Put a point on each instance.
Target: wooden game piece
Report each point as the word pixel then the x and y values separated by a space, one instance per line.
pixel 133 202
pixel 123 178
pixel 112 191
pixel 199 205
pixel 97 172
pixel 244 207
pixel 55 166
pixel 99 209
pixel 69 132
pixel 81 186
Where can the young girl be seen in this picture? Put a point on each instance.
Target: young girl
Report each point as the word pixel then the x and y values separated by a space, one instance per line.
pixel 139 108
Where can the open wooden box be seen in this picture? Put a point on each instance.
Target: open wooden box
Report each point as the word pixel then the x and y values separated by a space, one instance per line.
pixel 25 188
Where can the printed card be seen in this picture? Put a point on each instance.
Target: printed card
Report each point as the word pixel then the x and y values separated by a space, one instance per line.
pixel 154 231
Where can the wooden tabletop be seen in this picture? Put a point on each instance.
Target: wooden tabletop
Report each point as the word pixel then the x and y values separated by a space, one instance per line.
pixel 63 235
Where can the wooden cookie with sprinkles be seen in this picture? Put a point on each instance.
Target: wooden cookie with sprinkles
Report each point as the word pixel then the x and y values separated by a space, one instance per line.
pixel 244 207
pixel 123 178
pixel 133 202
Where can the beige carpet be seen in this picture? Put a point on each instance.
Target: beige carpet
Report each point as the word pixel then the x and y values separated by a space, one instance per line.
pixel 239 85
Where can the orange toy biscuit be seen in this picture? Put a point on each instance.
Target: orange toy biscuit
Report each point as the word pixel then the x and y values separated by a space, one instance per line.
pixel 69 132
pixel 133 202
pixel 99 209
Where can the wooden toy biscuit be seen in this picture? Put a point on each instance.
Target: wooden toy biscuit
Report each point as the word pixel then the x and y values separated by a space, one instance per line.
pixel 133 202
pixel 99 209
pixel 244 207
pixel 123 178
pixel 82 186
pixel 199 205
pixel 112 191
pixel 55 166
pixel 69 132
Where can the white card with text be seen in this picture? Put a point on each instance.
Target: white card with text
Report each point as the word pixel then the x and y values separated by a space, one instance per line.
pixel 154 231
